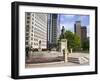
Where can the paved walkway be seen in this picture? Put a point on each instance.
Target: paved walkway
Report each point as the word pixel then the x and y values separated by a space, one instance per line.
pixel 53 64
pixel 61 63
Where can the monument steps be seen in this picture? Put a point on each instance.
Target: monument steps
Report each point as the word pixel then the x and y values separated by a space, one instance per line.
pixel 78 60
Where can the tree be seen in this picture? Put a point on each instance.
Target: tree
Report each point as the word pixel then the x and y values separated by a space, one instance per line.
pixel 85 44
pixel 73 41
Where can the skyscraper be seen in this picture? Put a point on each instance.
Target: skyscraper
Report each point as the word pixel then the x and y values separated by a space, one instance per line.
pixel 83 33
pixel 77 28
pixel 53 29
pixel 80 31
pixel 35 30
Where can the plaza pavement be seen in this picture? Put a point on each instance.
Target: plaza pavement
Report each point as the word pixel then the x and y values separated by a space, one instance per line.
pixel 61 63
pixel 53 64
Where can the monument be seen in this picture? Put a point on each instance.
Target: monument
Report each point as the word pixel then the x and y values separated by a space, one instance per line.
pixel 62 32
pixel 63 44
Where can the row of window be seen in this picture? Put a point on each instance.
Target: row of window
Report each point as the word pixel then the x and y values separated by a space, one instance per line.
pixel 41 24
pixel 35 39
pixel 31 43
pixel 38 28
pixel 41 18
pixel 37 36
pixel 40 33
pixel 27 38
pixel 34 44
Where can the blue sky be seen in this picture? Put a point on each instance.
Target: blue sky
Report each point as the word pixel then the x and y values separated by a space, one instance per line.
pixel 68 21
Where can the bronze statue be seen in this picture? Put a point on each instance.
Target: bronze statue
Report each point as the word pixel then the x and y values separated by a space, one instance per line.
pixel 62 32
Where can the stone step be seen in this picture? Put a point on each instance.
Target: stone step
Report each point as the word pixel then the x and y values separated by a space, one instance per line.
pixel 73 59
pixel 79 60
pixel 83 60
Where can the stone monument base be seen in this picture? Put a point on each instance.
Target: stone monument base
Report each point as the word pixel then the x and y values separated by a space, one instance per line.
pixel 63 48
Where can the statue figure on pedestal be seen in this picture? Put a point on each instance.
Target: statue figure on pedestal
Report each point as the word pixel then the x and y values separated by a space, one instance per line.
pixel 62 32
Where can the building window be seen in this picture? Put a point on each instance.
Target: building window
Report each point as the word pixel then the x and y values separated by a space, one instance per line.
pixel 31 43
pixel 35 39
pixel 27 34
pixel 26 43
pixel 28 17
pixel 28 22
pixel 32 22
pixel 27 26
pixel 31 34
pixel 27 38
pixel 28 13
pixel 32 30
pixel 31 38
pixel 35 43
pixel 27 29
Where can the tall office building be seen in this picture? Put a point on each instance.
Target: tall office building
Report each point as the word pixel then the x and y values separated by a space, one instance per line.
pixel 77 28
pixel 83 33
pixel 80 31
pixel 53 29
pixel 36 30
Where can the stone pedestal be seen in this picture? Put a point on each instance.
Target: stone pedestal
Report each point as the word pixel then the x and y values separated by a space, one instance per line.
pixel 71 50
pixel 66 55
pixel 63 48
pixel 63 45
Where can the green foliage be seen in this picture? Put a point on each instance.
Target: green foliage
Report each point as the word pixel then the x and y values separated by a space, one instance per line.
pixel 73 41
pixel 85 44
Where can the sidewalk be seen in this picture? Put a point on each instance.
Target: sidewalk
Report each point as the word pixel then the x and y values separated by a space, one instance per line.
pixel 52 64
pixel 60 63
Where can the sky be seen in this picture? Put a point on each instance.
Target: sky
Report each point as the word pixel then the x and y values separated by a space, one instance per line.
pixel 68 21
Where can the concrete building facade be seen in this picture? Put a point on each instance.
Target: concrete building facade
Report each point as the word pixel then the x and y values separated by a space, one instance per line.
pixel 36 30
